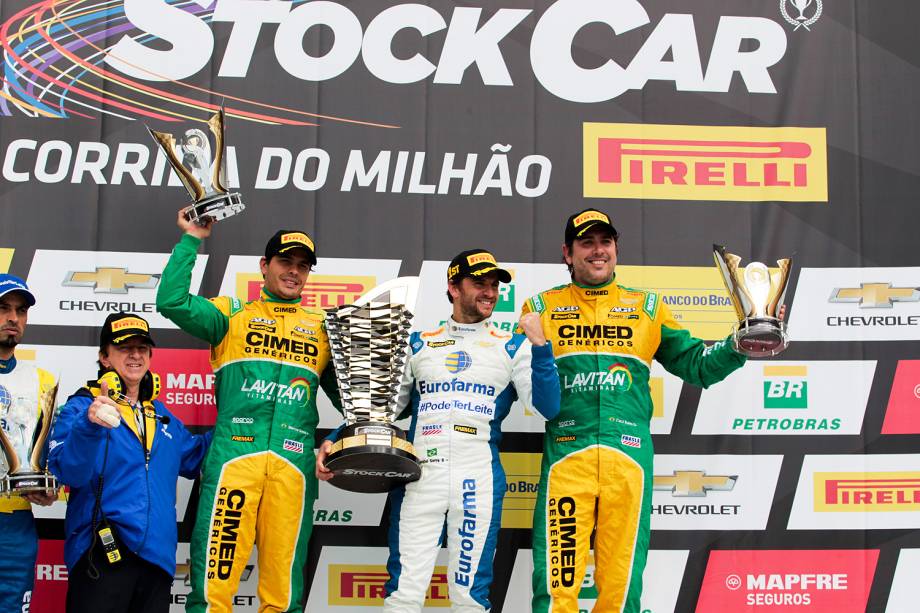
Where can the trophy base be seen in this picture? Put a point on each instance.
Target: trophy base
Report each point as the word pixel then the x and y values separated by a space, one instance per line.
pixel 371 458
pixel 18 484
pixel 761 337
pixel 216 207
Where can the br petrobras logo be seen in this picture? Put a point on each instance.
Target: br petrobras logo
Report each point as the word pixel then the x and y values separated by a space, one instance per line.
pixel 819 397
pixel 668 162
pixel 457 362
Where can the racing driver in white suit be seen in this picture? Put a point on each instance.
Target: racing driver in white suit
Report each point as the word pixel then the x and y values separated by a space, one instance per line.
pixel 460 383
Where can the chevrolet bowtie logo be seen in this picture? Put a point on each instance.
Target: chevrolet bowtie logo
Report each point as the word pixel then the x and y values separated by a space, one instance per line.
pixel 694 483
pixel 875 295
pixel 111 280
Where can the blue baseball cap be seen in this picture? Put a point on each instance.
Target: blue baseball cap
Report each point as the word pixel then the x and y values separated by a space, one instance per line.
pixel 12 283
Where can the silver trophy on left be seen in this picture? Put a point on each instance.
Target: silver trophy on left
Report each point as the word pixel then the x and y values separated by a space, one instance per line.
pixel 23 446
pixel 203 176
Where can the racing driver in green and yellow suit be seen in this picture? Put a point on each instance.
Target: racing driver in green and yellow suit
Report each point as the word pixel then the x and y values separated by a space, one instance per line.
pixel 597 453
pixel 269 357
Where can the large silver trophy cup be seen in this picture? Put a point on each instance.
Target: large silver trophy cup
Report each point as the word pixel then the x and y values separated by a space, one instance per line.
pixel 369 342
pixel 23 446
pixel 203 176
pixel 757 295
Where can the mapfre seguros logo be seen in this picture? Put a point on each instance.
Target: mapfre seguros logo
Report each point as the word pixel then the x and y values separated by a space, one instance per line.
pixel 669 162
pixel 831 581
pixel 89 285
pixel 188 384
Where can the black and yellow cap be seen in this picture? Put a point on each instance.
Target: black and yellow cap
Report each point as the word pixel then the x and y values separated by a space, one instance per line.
pixel 581 222
pixel 119 327
pixel 475 263
pixel 285 240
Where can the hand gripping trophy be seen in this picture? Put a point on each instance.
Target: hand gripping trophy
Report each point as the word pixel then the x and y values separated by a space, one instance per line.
pixel 369 342
pixel 757 295
pixel 204 178
pixel 23 448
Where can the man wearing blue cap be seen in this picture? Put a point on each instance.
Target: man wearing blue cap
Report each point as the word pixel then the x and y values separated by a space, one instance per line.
pixel 20 384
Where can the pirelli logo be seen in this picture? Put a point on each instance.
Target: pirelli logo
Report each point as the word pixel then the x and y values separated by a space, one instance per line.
pixel 130 322
pixel 362 585
pixel 320 291
pixel 479 258
pixel 670 162
pixel 867 492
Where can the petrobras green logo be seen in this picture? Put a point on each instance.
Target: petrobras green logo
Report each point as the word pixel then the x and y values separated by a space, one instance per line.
pixel 785 387
pixel 433 452
pixel 505 302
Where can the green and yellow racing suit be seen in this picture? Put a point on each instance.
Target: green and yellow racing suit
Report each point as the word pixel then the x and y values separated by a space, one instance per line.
pixel 597 453
pixel 269 356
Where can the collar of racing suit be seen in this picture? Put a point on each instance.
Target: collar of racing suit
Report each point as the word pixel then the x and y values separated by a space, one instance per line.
pixel 458 330
pixel 593 292
pixel 7 366
pixel 267 296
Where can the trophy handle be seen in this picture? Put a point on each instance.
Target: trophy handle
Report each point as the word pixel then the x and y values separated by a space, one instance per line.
pixel 167 142
pixel 47 404
pixel 10 461
pixel 216 123
pixel 782 283
pixel 402 290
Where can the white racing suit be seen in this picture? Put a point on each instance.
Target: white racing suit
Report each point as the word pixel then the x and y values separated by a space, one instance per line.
pixel 459 386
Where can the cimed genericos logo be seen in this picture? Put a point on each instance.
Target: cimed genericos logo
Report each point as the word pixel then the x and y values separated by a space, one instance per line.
pixel 458 361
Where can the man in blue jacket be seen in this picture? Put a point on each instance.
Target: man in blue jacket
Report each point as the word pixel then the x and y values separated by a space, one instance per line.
pixel 121 452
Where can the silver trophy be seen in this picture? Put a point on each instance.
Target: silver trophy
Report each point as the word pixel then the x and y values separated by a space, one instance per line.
pixel 757 295
pixel 203 176
pixel 369 341
pixel 23 447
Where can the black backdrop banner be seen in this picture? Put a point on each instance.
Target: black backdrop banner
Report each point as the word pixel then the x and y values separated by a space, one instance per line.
pixel 398 134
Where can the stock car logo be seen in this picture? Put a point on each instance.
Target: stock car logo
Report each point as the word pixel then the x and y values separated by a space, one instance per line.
pixel 705 162
pixel 874 295
pixel 111 280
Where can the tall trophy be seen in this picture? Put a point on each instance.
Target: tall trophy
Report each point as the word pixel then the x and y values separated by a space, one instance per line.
pixel 369 341
pixel 203 176
pixel 23 448
pixel 757 295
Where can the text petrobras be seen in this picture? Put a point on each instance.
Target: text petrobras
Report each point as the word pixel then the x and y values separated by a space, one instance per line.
pixel 669 51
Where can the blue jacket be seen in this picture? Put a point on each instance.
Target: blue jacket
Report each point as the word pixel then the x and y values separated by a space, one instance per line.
pixel 139 501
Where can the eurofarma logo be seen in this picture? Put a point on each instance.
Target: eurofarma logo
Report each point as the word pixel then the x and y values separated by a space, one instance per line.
pixel 672 162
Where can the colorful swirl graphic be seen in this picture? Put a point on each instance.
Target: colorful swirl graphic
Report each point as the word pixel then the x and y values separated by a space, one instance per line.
pixel 53 67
